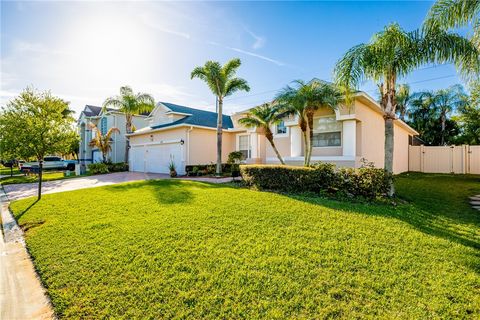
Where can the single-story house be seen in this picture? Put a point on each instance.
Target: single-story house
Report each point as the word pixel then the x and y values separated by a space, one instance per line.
pixel 104 120
pixel 187 136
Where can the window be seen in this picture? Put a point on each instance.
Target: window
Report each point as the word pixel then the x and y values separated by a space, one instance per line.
pixel 244 145
pixel 281 128
pixel 103 126
pixel 327 132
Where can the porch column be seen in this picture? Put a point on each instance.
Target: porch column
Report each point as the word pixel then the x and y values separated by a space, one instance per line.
pixel 295 141
pixel 254 145
pixel 349 137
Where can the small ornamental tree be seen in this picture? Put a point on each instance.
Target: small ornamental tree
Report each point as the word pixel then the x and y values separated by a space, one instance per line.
pixel 34 125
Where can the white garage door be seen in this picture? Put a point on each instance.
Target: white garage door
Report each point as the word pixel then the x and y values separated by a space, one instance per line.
pixel 156 158
pixel 137 158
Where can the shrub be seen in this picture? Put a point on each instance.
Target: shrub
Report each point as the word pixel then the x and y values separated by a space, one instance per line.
pixel 364 182
pixel 98 168
pixel 117 167
pixel 235 157
pixel 206 169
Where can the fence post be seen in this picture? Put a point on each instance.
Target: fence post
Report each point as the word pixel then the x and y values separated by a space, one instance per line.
pixel 422 158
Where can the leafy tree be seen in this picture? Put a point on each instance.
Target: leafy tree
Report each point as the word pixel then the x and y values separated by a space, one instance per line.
pixel 130 104
pixel 448 14
pixel 103 141
pixel 33 125
pixel 264 117
pixel 73 145
pixel 304 100
pixel 222 83
pixel 403 100
pixel 444 102
pixel 394 53
pixel 469 117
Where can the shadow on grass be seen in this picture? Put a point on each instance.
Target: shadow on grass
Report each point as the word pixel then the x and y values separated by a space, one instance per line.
pixel 167 192
pixel 437 205
pixel 17 217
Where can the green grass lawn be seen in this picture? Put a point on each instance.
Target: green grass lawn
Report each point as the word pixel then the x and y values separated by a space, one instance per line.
pixel 5 171
pixel 184 249
pixel 46 176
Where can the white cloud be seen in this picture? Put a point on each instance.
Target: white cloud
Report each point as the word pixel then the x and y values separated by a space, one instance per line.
pixel 153 23
pixel 252 54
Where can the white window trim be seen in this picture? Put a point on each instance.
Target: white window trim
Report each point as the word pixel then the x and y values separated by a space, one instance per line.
pixel 341 132
pixel 281 135
pixel 237 146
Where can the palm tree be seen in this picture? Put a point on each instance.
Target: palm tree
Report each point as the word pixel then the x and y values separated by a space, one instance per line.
pixel 394 53
pixel 306 99
pixel 222 82
pixel 264 117
pixel 292 102
pixel 102 142
pixel 447 14
pixel 403 100
pixel 444 102
pixel 130 103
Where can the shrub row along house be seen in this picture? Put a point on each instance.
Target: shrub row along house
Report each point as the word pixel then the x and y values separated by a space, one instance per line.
pixel 187 136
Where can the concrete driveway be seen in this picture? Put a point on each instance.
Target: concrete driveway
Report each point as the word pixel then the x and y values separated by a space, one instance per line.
pixel 19 191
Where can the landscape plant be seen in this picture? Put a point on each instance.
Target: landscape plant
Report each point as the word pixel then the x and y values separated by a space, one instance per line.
pixel 33 125
pixel 222 82
pixel 394 53
pixel 265 117
pixel 130 104
pixel 304 99
pixel 102 141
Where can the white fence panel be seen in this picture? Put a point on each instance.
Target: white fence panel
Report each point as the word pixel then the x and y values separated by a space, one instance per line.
pixel 474 159
pixel 445 159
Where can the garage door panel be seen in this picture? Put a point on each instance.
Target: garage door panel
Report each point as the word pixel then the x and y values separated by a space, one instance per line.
pixel 156 158
pixel 137 156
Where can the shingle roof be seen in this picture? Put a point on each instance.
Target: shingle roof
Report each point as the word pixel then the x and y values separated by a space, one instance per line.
pixel 197 117
pixel 95 111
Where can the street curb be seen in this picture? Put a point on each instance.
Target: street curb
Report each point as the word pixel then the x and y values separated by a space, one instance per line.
pixel 14 239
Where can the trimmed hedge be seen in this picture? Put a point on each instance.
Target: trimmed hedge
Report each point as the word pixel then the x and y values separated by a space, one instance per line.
pixel 365 182
pixel 204 169
pixel 99 168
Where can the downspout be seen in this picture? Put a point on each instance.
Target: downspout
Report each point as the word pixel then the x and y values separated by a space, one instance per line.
pixel 115 140
pixel 188 145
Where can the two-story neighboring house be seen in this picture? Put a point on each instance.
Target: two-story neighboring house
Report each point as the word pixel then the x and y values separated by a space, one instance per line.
pixel 344 136
pixel 104 121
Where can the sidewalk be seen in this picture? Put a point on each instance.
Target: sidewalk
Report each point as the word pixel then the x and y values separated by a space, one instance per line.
pixel 21 293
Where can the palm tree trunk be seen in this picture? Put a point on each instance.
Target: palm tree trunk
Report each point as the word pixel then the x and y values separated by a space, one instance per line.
pixel 310 136
pixel 305 147
pixel 443 120
pixel 389 152
pixel 128 129
pixel 219 137
pixel 269 136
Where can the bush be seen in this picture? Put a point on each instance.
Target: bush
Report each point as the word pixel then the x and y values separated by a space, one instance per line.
pixel 117 167
pixel 202 169
pixel 98 168
pixel 364 182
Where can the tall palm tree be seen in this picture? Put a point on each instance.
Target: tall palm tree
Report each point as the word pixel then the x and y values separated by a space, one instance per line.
pixel 394 53
pixel 102 141
pixel 448 14
pixel 403 100
pixel 308 98
pixel 222 82
pixel 445 101
pixel 130 103
pixel 264 117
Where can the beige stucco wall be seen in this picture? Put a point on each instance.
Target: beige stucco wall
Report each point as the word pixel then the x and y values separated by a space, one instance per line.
pixel 202 146
pixel 372 139
pixel 372 135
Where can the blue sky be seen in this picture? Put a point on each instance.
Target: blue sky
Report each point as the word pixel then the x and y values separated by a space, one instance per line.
pixel 84 51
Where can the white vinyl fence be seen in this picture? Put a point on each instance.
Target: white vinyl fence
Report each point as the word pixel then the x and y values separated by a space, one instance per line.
pixel 448 159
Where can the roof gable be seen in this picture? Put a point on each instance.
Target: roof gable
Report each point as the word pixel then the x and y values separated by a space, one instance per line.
pixel 194 117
